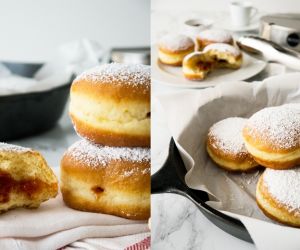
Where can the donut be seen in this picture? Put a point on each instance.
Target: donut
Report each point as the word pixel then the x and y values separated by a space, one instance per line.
pixel 197 65
pixel 173 48
pixel 110 105
pixel 225 145
pixel 25 178
pixel 210 36
pixel 278 196
pixel 225 55
pixel 110 180
pixel 272 135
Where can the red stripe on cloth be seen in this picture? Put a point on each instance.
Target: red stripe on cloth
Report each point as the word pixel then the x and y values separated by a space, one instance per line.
pixel 141 245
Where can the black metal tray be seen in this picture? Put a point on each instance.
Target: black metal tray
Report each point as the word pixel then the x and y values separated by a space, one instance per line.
pixel 170 179
pixel 27 114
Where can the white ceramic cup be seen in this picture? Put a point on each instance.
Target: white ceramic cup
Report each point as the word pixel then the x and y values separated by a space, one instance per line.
pixel 242 12
pixel 192 27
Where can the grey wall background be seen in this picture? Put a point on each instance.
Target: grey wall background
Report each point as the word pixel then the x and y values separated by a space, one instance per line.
pixel 33 29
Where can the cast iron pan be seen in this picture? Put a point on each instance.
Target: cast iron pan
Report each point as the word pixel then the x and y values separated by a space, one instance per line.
pixel 28 114
pixel 170 179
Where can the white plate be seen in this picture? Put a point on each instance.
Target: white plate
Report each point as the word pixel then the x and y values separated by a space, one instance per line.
pixel 173 76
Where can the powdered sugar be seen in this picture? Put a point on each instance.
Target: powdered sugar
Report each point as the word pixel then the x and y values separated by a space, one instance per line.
pixel 215 35
pixel 227 135
pixel 176 42
pixel 284 186
pixel 223 47
pixel 13 148
pixel 129 74
pixel 278 127
pixel 97 155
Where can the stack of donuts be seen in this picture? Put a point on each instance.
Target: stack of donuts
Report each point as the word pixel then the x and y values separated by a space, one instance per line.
pixel 108 170
pixel 212 49
pixel 270 138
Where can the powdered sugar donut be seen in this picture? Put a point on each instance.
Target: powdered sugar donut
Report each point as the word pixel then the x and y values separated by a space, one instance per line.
pixel 111 180
pixel 226 147
pixel 210 36
pixel 272 137
pixel 197 65
pixel 277 194
pixel 173 48
pixel 226 56
pixel 110 105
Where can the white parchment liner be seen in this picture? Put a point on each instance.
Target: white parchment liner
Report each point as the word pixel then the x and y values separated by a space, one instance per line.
pixel 190 113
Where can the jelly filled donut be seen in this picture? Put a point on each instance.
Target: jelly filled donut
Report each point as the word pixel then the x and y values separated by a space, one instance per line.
pixel 210 36
pixel 272 135
pixel 226 147
pixel 197 65
pixel 111 180
pixel 277 194
pixel 25 178
pixel 173 48
pixel 110 105
pixel 226 56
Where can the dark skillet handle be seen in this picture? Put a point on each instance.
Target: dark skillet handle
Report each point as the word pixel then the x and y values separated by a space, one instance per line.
pixel 170 179
pixel 166 180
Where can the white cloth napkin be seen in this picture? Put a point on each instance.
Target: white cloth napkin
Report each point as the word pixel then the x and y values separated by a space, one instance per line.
pixel 54 225
pixel 189 115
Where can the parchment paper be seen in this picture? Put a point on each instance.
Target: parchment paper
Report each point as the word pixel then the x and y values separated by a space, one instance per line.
pixel 190 113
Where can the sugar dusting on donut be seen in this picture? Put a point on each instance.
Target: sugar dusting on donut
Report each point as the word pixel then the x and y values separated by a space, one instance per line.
pixel 276 126
pixel 174 42
pixel 13 148
pixel 284 186
pixel 97 155
pixel 130 74
pixel 215 35
pixel 223 47
pixel 227 135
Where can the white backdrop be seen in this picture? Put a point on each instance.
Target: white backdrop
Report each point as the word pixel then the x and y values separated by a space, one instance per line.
pixel 222 5
pixel 33 29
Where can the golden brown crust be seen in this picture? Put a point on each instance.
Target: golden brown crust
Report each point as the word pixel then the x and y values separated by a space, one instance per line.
pixel 279 210
pixel 115 90
pixel 186 51
pixel 260 143
pixel 202 43
pixel 194 77
pixel 266 149
pixel 176 64
pixel 109 138
pixel 277 164
pixel 107 189
pixel 229 161
pixel 173 58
